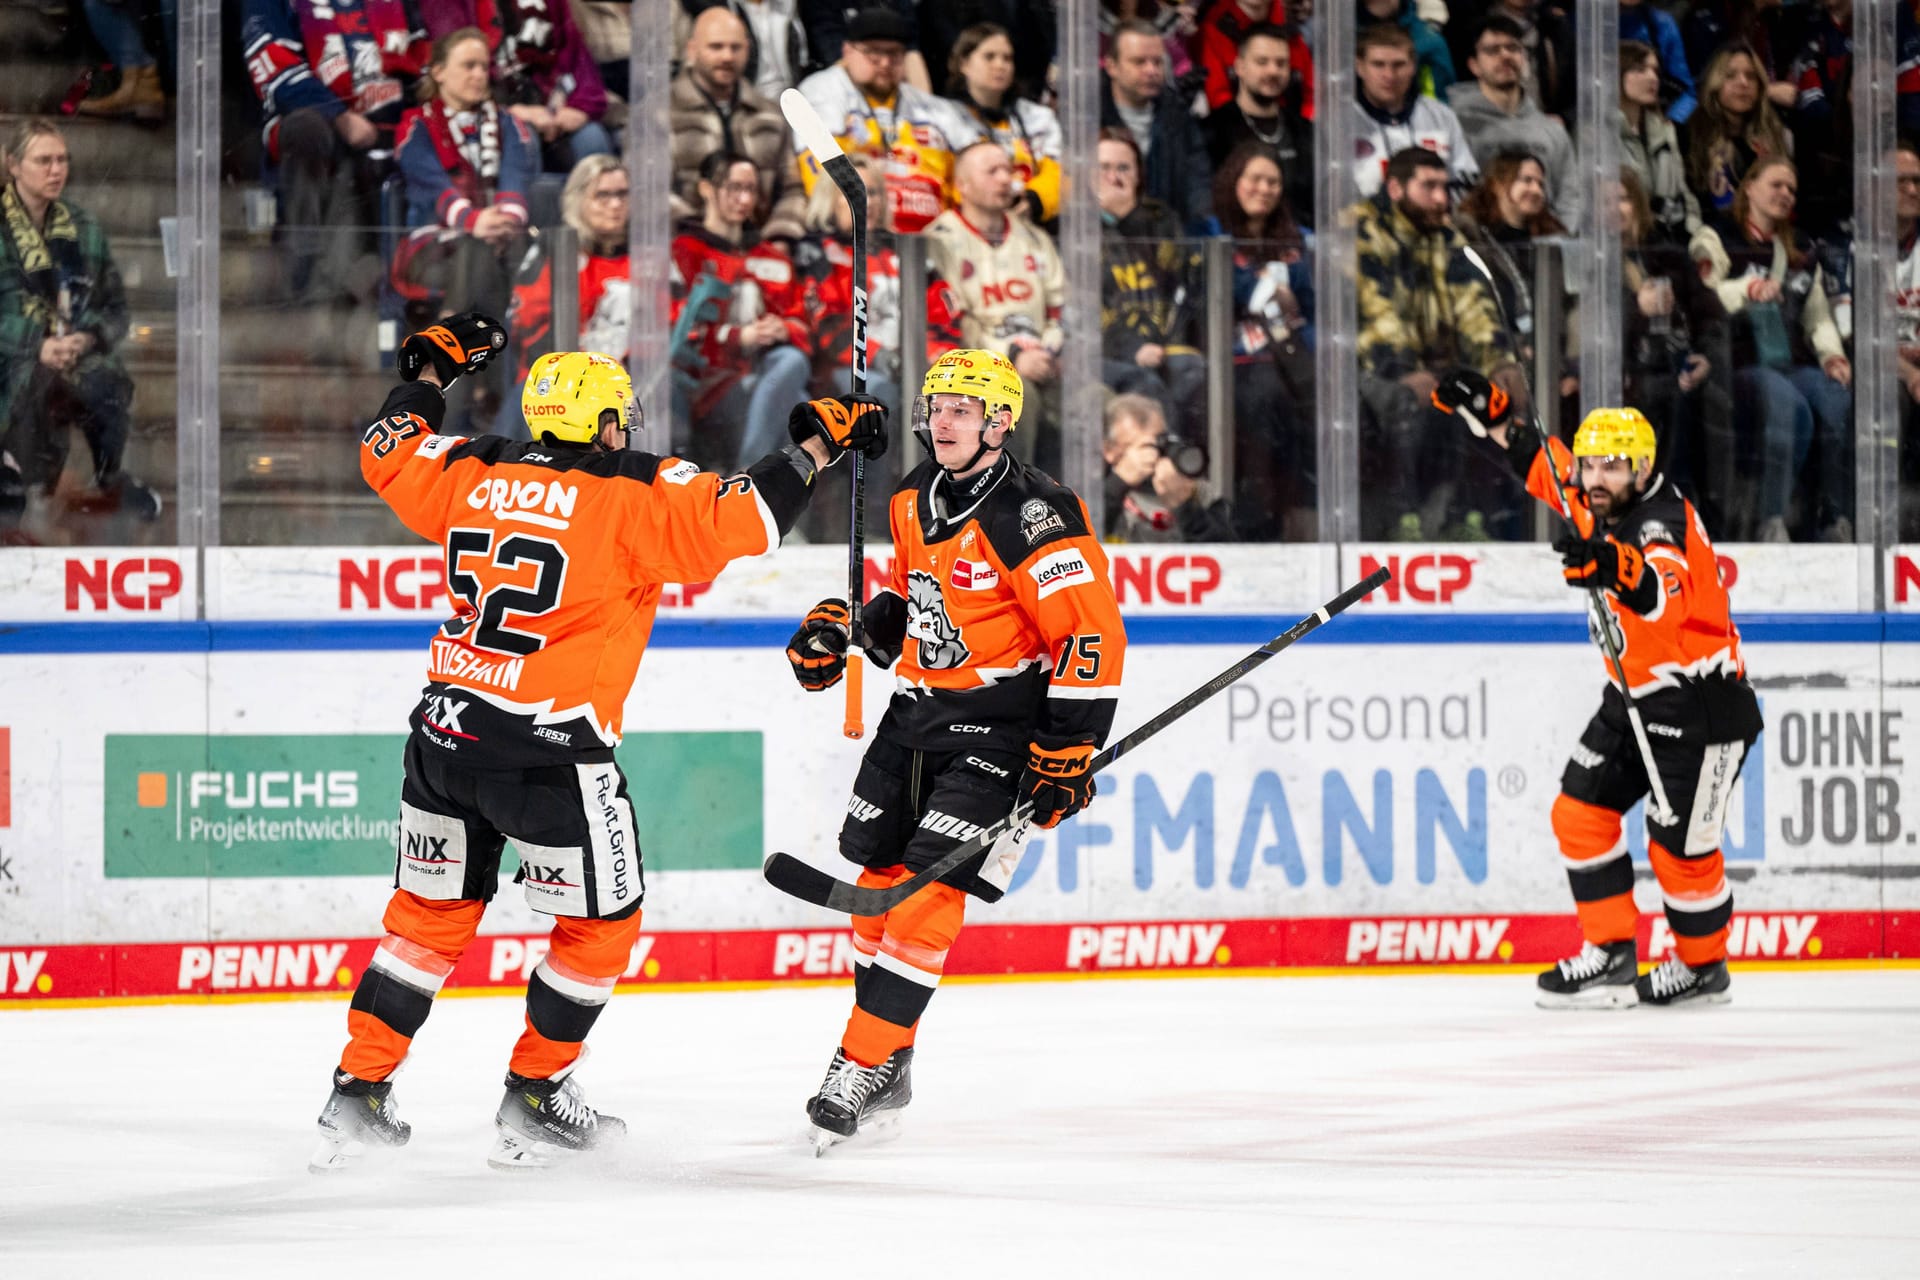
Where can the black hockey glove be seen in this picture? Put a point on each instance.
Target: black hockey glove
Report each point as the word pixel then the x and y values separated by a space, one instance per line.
pixel 1058 780
pixel 818 650
pixel 1467 395
pixel 844 422
pixel 1611 565
pixel 456 345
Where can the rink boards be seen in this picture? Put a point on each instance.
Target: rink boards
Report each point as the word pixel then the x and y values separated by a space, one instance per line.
pixel 192 808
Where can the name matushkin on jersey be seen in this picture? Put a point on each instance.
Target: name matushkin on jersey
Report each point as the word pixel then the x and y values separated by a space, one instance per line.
pixel 1012 628
pixel 556 557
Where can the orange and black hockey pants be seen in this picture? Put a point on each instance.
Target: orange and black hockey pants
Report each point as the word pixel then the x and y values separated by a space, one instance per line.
pixel 909 808
pixel 579 862
pixel 1698 756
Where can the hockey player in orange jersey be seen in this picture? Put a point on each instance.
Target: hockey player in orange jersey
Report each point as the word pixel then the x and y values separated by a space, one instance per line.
pixel 1643 544
pixel 556 551
pixel 1003 632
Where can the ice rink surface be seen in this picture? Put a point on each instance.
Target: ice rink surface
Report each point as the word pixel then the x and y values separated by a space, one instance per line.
pixel 1348 1126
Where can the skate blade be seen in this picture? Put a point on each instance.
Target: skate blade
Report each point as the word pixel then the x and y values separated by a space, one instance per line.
pixel 1593 999
pixel 1716 997
pixel 336 1152
pixel 873 1131
pixel 513 1151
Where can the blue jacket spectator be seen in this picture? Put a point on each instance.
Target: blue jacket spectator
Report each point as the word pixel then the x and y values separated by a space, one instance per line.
pixel 1656 27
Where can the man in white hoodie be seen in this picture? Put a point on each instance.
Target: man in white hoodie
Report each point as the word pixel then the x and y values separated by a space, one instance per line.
pixel 1392 117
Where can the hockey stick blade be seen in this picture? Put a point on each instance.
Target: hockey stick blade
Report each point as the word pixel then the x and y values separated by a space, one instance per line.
pixel 809 883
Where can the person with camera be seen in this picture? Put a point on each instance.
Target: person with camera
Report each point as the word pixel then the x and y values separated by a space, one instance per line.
pixel 1156 490
pixel 1790 371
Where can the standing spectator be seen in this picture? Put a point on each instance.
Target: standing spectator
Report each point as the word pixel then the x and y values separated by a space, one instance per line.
pixel 998 277
pixel 1264 108
pixel 1423 310
pixel 333 86
pixel 542 71
pixel 1789 370
pixel 1224 29
pixel 832 25
pixel 1653 26
pixel 1497 115
pixel 594 203
pixel 712 108
pixel 1149 497
pixel 467 165
pixel 1434 73
pixel 980 78
pixel 1906 304
pixel 825 263
pixel 1272 346
pixel 1135 95
pixel 140 93
pixel 1822 117
pixel 744 345
pixel 63 310
pixel 863 100
pixel 1146 295
pixel 1736 127
pixel 1650 148
pixel 1393 118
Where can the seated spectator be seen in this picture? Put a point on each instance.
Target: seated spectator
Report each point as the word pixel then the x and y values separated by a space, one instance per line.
pixel 1767 26
pixel 333 87
pixel 777 56
pixel 1150 498
pixel 1135 96
pixel 1497 115
pixel 1030 27
pixel 63 311
pixel 832 25
pixel 1433 61
pixel 1423 310
pixel 1789 371
pixel 980 80
pixel 1546 32
pixel 1501 218
pixel 1906 304
pixel 1000 283
pixel 864 101
pixel 1393 118
pixel 1735 128
pixel 1264 108
pixel 1822 119
pixel 542 71
pixel 1273 383
pixel 1176 23
pixel 140 93
pixel 467 165
pixel 1656 27
pixel 1676 361
pixel 594 203
pixel 1147 296
pixel 711 108
pixel 1224 29
pixel 1650 148
pixel 825 262
pixel 739 333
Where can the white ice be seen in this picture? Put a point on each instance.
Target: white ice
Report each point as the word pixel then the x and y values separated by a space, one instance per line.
pixel 1363 1126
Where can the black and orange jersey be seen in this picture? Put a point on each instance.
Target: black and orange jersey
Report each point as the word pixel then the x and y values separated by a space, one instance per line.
pixel 555 556
pixel 1003 610
pixel 1689 636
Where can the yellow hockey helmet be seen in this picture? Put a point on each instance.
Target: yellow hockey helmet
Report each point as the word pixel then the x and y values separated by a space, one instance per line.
pixel 987 376
pixel 1615 433
pixel 567 393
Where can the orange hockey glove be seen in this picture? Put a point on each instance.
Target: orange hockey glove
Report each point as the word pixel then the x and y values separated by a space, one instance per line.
pixel 1058 781
pixel 818 650
pixel 456 345
pixel 844 422
pixel 1611 565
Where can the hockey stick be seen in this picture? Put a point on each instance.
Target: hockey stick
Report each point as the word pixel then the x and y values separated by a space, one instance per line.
pixel 1601 616
pixel 807 882
pixel 818 139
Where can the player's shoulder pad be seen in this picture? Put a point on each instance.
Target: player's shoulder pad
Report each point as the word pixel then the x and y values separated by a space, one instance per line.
pixel 1658 518
pixel 1029 510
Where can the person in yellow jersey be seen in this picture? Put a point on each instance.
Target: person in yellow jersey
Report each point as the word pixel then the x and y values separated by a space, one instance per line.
pixel 556 551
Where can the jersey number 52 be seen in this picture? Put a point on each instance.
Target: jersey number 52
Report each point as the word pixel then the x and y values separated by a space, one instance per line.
pixel 482 623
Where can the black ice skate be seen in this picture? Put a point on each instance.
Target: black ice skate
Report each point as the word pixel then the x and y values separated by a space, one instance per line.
pixel 1600 977
pixel 541 1122
pixel 360 1115
pixel 856 1099
pixel 1674 983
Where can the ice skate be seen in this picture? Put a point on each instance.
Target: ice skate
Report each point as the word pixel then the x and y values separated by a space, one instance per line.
pixel 856 1100
pixel 1674 983
pixel 360 1116
pixel 1600 977
pixel 544 1122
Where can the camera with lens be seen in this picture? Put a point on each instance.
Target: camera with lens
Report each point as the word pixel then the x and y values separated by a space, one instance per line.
pixel 1188 457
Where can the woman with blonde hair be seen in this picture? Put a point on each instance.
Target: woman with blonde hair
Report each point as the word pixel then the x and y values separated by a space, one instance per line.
pixel 1735 126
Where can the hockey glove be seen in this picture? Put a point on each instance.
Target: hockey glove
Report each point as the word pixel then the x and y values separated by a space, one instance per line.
pixel 1468 396
pixel 1611 565
pixel 818 650
pixel 844 422
pixel 1058 781
pixel 456 345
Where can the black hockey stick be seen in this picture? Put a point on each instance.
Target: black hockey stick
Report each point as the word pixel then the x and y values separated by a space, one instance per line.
pixel 1602 617
pixel 818 139
pixel 809 883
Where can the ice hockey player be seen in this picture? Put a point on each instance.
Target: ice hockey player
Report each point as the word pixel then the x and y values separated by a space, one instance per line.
pixel 1643 544
pixel 1009 647
pixel 556 551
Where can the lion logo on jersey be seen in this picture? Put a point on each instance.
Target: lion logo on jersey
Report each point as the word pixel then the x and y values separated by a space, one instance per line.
pixel 941 648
